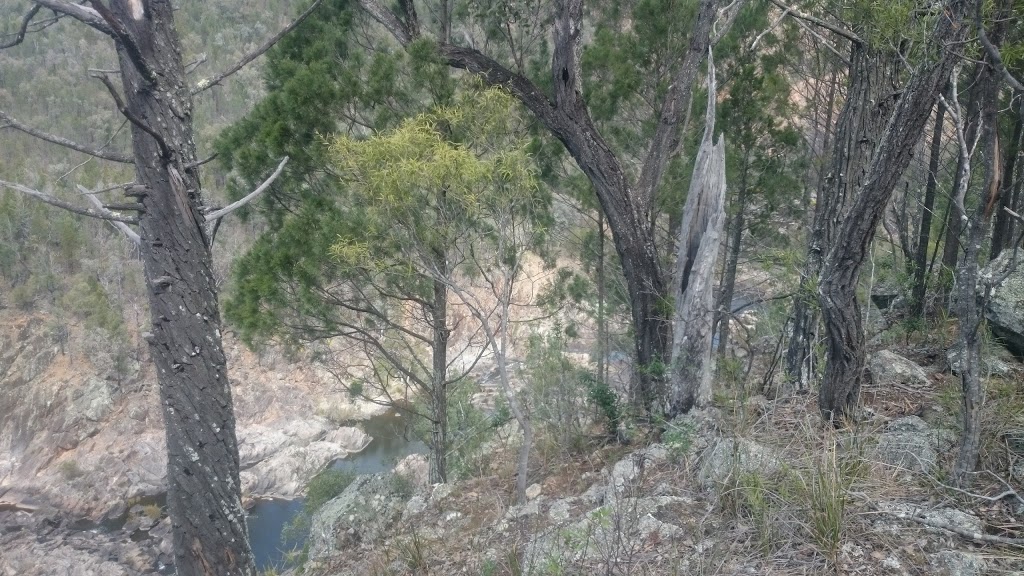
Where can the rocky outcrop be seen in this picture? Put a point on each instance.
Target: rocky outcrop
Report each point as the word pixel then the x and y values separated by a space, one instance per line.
pixel 49 543
pixel 911 444
pixel 280 458
pixel 1004 308
pixel 367 508
pixel 733 457
pixel 889 369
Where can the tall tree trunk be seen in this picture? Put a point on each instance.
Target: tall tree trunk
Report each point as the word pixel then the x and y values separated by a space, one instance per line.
pixel 602 319
pixel 1002 233
pixel 844 369
pixel 439 379
pixel 203 489
pixel 952 247
pixel 966 306
pixel 732 261
pixel 692 363
pixel 858 128
pixel 925 232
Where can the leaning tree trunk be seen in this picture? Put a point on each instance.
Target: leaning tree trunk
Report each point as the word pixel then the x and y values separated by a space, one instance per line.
pixel 858 128
pixel 844 369
pixel 699 238
pixel 203 490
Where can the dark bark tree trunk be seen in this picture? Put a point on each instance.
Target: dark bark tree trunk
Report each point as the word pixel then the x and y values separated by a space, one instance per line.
pixel 203 490
pixel 925 231
pixel 439 380
pixel 858 128
pixel 1002 232
pixel 844 369
pixel 734 243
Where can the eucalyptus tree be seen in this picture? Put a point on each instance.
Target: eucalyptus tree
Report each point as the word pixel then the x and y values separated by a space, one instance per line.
pixel 174 236
pixel 944 28
pixel 507 44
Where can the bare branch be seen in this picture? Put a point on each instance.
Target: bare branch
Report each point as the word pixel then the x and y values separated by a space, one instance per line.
pixel 726 16
pixel 209 83
pixel 128 232
pixel 46 198
pixel 218 214
pixel 768 30
pixel 963 532
pixel 993 51
pixel 81 13
pixel 819 22
pixel 20 35
pixel 388 19
pixel 60 141
pixel 165 151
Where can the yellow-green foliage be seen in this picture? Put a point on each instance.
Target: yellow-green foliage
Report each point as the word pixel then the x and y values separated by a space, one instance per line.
pixel 435 176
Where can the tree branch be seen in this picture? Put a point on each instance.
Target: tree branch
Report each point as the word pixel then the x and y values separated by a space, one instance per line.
pixel 81 13
pixel 667 136
pixel 819 22
pixel 128 232
pixel 218 214
pixel 60 141
pixel 993 51
pixel 165 151
pixel 209 83
pixel 46 198
pixel 124 37
pixel 387 18
pixel 25 21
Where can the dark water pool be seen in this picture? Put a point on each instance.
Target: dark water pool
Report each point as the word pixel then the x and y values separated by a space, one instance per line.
pixel 392 441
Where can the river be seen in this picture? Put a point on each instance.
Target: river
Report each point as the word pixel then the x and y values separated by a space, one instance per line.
pixel 392 441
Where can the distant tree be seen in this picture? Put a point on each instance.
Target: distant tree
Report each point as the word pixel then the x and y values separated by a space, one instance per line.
pixel 175 237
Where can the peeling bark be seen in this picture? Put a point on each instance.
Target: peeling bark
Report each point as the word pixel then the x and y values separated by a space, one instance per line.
pixel 699 240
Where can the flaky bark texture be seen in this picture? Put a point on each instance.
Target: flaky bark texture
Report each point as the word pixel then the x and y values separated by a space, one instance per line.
pixel 868 104
pixel 844 369
pixel 203 490
pixel 699 241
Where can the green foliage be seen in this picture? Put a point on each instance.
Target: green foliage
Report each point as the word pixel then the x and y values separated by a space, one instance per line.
pixel 87 300
pixel 469 431
pixel 558 393
pixel 607 403
pixel 321 489
pixel 678 438
pixel 70 470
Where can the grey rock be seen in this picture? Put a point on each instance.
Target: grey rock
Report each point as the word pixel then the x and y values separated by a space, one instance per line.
pixel 1005 306
pixel 910 444
pixel 362 513
pixel 990 366
pixel 888 369
pixel 956 563
pixel 730 457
